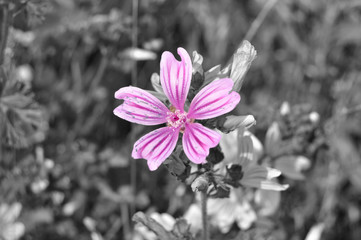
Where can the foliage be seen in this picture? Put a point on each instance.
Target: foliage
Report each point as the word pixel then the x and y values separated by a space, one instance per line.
pixel 65 158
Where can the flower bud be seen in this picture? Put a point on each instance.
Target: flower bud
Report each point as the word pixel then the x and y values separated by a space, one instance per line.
pixel 242 60
pixel 235 171
pixel 201 183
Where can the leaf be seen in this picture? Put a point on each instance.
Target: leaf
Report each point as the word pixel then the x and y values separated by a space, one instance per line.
pixel 215 155
pixel 177 167
pixel 36 10
pixel 273 139
pixel 182 229
pixel 153 225
pixel 156 83
pixel 235 171
pixel 197 63
pixel 213 74
pixel 22 121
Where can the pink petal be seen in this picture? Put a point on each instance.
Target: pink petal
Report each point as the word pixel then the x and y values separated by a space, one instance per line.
pixel 175 77
pixel 197 140
pixel 214 100
pixel 156 146
pixel 140 107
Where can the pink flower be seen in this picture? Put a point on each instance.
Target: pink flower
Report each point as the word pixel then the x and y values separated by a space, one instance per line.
pixel 141 107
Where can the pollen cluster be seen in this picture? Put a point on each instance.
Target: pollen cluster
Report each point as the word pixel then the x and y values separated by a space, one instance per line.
pixel 177 118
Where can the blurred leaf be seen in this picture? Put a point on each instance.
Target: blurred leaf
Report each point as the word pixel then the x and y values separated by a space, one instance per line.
pixel 235 171
pixel 177 167
pixel 197 71
pixel 153 225
pixel 156 83
pixel 347 33
pixel 213 74
pixel 222 191
pixel 182 229
pixel 273 139
pixel 197 63
pixel 22 120
pixel 36 10
pixel 215 155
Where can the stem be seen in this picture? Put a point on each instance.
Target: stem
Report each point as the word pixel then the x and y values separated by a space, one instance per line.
pixel 125 220
pixel 204 215
pixel 4 29
pixel 259 20
pixel 133 170
pixel 135 39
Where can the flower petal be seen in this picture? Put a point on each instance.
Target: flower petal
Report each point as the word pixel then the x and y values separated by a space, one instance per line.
pixel 175 77
pixel 140 107
pixel 214 100
pixel 197 140
pixel 259 177
pixel 156 146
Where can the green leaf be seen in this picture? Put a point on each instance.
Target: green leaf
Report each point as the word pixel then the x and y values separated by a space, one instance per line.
pixel 22 121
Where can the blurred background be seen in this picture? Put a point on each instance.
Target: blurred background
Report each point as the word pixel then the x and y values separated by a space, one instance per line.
pixel 65 165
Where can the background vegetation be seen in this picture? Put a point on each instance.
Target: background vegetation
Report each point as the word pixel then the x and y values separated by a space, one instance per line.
pixel 65 158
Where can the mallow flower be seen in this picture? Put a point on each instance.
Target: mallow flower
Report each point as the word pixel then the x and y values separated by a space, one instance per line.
pixel 139 106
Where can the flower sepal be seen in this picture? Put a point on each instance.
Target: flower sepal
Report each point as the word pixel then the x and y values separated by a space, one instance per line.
pixel 178 165
pixel 230 123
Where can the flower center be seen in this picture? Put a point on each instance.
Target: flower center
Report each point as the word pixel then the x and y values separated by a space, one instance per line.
pixel 177 118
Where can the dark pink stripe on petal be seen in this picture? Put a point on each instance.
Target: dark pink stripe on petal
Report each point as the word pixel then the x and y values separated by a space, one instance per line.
pixel 156 146
pixel 214 100
pixel 140 107
pixel 176 77
pixel 197 140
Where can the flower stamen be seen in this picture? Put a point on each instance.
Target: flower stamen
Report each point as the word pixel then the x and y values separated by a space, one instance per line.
pixel 177 119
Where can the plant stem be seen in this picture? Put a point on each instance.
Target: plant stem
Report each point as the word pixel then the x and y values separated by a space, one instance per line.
pixel 4 29
pixel 133 170
pixel 204 215
pixel 259 20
